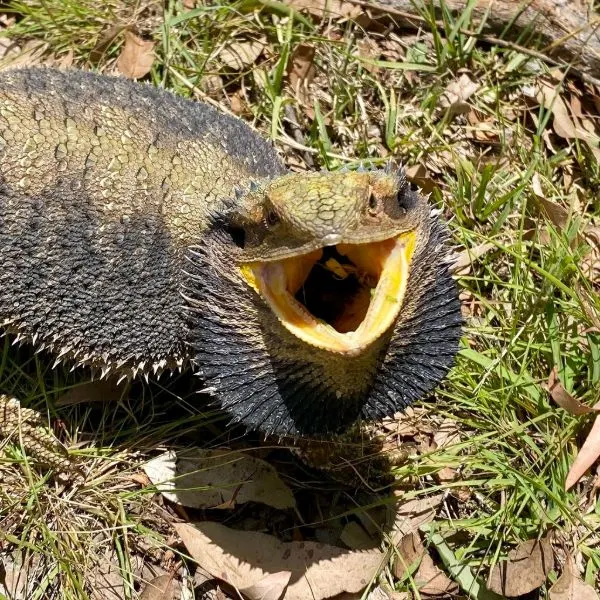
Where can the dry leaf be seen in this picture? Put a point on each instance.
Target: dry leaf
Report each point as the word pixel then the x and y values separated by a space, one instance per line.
pixel 587 456
pixel 525 569
pixel 104 42
pixel 269 587
pixel 410 552
pixel 137 56
pixel 566 124
pixel 301 68
pixel 18 579
pixel 419 175
pixel 105 579
pixel 244 558
pixel 570 587
pixel 447 433
pixel 378 593
pixel 556 213
pixel 355 537
pixel 211 84
pixel 591 262
pixel 409 516
pixel 31 53
pixel 239 55
pixel 159 588
pixel 217 479
pixel 466 257
pixel 446 475
pixel 457 93
pixel 105 390
pixel 482 129
pixel 432 581
pixel 560 395
pixel 549 97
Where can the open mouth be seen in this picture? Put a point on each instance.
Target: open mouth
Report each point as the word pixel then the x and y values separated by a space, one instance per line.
pixel 340 298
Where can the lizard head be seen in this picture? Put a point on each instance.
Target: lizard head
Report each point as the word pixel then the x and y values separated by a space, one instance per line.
pixel 323 282
pixel 330 253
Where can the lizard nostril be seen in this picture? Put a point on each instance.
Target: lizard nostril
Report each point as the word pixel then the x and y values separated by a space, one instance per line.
pixel 272 218
pixel 373 205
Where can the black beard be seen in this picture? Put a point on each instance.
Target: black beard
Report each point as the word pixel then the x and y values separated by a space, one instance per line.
pixel 267 379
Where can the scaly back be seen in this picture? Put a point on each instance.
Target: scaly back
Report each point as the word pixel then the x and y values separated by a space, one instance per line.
pixel 103 185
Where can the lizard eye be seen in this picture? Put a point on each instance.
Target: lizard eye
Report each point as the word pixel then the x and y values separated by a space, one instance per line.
pixel 405 200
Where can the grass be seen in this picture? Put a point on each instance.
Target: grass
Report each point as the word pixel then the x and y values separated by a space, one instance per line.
pixel 529 303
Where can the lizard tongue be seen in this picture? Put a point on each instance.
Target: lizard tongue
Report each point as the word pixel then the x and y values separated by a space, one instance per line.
pixel 278 281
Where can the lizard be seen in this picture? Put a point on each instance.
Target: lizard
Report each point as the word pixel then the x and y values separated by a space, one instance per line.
pixel 141 232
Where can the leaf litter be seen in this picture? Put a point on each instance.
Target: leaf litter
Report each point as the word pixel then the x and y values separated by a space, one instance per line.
pixel 199 478
pixel 524 570
pixel 245 559
pixel 566 400
pixel 589 452
pixel 137 56
pixel 569 586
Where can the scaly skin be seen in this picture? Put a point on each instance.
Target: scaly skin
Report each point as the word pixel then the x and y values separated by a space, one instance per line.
pixel 133 229
pixel 104 184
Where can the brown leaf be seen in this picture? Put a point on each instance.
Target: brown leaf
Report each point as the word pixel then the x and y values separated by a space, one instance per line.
pixel 525 569
pixel 105 41
pixel 419 175
pixel 410 552
pixel 457 93
pixel 565 400
pixel 466 257
pixel 409 516
pixel 566 124
pixel 369 49
pixel 239 55
pixel 355 537
pixel 18 575
pixel 556 213
pixel 447 433
pixel 481 128
pixel 105 579
pixel 446 475
pixel 432 581
pixel 269 587
pixel 244 558
pixel 137 56
pixel 587 456
pixel 588 305
pixel 217 479
pixel 31 53
pixel 549 97
pixel 590 265
pixel 159 588
pixel 570 587
pixel 301 68
pixel 105 390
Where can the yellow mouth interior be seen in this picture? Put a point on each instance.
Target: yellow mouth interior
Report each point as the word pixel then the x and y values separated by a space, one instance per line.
pixel 340 298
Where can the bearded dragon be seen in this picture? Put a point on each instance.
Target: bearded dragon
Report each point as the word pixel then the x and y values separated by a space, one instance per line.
pixel 141 233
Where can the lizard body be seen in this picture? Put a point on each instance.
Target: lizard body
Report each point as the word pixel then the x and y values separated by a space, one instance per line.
pixel 141 232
